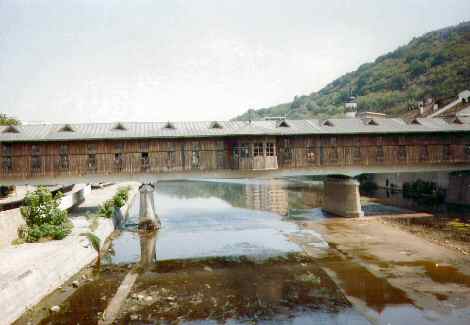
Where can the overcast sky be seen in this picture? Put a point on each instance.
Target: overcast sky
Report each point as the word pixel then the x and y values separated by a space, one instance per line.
pixel 90 60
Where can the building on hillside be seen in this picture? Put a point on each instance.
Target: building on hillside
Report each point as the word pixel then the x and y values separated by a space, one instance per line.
pixel 464 96
pixel 350 107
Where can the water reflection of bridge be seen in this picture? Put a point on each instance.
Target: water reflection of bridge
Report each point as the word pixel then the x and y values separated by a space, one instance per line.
pixel 277 197
pixel 270 196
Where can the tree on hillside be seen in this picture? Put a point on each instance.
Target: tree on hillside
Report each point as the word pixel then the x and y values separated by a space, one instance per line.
pixel 7 120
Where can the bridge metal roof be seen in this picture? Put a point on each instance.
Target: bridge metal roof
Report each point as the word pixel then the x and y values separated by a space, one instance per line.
pixel 136 130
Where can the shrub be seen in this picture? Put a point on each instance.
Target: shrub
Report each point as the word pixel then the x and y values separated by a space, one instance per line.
pixel 121 197
pixel 106 210
pixel 43 217
pixel 420 188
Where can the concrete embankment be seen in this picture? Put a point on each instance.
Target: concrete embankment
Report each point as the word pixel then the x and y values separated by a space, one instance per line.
pixel 29 272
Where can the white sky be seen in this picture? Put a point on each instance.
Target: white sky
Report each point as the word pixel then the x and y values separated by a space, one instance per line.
pixel 143 60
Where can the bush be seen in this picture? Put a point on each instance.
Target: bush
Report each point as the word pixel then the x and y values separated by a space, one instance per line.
pixel 43 217
pixel 106 210
pixel 420 188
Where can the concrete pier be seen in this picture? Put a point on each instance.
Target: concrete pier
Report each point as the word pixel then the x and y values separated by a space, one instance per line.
pixel 342 197
pixel 148 243
pixel 148 219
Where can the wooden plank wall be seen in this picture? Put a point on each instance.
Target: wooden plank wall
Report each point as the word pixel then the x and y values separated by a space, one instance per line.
pixel 209 154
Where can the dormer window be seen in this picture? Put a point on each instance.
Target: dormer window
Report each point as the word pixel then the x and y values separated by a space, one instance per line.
pixel 215 125
pixel 66 128
pixel 283 124
pixel 416 122
pixel 458 121
pixel 119 127
pixel 327 123
pixel 169 126
pixel 11 129
pixel 372 122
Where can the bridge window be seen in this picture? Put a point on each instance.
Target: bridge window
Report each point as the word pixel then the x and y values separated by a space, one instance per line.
pixel 310 155
pixel 119 147
pixel 35 158
pixel 35 150
pixel 144 147
pixel 35 163
pixel 244 150
pixel 380 155
pixel 171 154
pixel 270 149
pixel 64 157
pixel 467 151
pixel 287 154
pixel 402 153
pixel 91 148
pixel 258 149
pixel 144 156
pixel 424 154
pixel 91 162
pixel 220 154
pixel 170 158
pixel 220 157
pixel 446 152
pixel 333 156
pixel 145 161
pixel 7 162
pixel 356 153
pixel 118 161
pixel 195 159
pixel 287 150
pixel 195 156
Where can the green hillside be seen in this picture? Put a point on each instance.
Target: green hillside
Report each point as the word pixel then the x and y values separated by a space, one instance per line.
pixel 436 64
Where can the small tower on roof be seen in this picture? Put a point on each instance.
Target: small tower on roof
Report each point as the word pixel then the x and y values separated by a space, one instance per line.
pixel 350 106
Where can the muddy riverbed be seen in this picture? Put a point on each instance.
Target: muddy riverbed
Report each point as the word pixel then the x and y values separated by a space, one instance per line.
pixel 263 252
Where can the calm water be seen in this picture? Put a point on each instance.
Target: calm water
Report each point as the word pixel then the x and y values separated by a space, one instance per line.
pixel 216 218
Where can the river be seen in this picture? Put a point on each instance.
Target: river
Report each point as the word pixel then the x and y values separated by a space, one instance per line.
pixel 235 252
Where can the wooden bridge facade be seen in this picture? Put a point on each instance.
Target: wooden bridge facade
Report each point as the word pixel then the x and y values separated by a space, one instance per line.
pixel 36 159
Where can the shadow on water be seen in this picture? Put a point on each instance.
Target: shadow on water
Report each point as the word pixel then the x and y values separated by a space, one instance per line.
pixel 439 273
pixel 358 282
pixel 290 289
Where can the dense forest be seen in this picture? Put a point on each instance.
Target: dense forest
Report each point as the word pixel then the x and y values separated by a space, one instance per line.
pixel 436 65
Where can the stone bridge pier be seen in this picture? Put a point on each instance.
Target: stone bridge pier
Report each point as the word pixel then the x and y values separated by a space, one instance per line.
pixel 342 196
pixel 148 219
